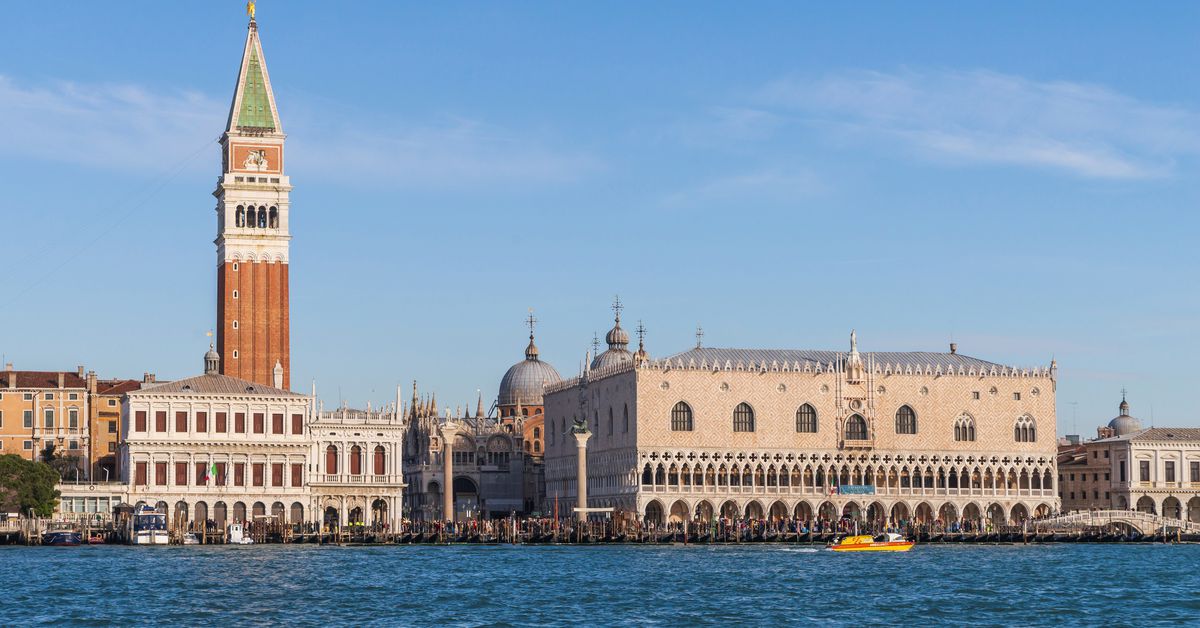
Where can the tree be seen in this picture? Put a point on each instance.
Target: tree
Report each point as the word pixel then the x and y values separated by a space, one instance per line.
pixel 26 485
pixel 67 466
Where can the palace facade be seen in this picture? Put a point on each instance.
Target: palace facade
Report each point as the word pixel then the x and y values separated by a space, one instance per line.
pixel 889 436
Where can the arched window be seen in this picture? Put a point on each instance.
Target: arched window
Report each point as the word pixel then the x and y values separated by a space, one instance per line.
pixel 537 447
pixel 906 420
pixel 681 418
pixel 743 418
pixel 380 460
pixel 251 217
pixel 274 218
pixel 626 418
pixel 964 428
pixel 331 460
pixel 1025 431
pixel 356 460
pixel 262 217
pixel 537 433
pixel 241 216
pixel 806 419
pixel 856 428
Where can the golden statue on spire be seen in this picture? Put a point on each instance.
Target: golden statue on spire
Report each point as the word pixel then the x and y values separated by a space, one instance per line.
pixel 250 9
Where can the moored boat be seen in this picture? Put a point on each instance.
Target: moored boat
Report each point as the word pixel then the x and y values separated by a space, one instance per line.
pixel 888 542
pixel 62 538
pixel 149 527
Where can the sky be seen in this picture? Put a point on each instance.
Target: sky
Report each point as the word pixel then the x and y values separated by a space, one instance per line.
pixel 1019 177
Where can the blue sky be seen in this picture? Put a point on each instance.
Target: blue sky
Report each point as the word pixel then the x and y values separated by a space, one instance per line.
pixel 1019 177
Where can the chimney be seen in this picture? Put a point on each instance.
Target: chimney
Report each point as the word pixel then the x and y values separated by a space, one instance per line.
pixel 91 382
pixel 62 380
pixel 79 371
pixel 954 347
pixel 147 378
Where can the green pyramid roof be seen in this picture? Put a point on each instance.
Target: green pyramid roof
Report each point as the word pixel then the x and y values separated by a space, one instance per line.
pixel 256 105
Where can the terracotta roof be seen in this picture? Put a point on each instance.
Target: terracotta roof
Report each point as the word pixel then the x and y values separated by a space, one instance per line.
pixel 117 386
pixel 215 385
pixel 42 379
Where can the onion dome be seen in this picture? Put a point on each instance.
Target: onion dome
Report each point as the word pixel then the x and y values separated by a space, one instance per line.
pixel 1124 424
pixel 525 380
pixel 618 343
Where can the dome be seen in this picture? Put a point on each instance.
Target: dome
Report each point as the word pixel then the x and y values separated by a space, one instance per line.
pixel 618 343
pixel 1124 424
pixel 212 361
pixel 617 336
pixel 524 381
pixel 611 357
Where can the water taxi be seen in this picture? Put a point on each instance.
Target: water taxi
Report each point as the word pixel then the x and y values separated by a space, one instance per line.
pixel 62 538
pixel 149 527
pixel 889 542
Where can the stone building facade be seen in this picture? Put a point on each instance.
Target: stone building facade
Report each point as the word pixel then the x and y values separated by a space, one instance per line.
pixel 42 409
pixel 917 436
pixel 1128 467
pixel 358 466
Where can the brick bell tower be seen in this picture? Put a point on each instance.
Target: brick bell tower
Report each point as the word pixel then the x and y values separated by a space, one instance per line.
pixel 252 231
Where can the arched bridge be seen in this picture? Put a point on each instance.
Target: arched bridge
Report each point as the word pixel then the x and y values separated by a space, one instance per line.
pixel 1143 522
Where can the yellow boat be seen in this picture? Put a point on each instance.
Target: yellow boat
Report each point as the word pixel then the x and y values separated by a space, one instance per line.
pixel 889 542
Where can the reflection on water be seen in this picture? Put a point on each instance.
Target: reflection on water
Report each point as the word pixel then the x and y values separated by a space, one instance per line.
pixel 667 585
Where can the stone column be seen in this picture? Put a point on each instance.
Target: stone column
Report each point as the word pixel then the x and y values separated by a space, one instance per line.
pixel 449 432
pixel 581 439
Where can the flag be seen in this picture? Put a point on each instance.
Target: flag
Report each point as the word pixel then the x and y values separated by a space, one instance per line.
pixel 834 490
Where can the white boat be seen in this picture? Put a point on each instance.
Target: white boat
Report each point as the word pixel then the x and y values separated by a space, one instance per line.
pixel 237 535
pixel 191 539
pixel 149 527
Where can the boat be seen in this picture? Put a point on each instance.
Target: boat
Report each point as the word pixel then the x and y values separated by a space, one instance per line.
pixel 237 535
pixel 190 538
pixel 62 538
pixel 96 539
pixel 888 542
pixel 149 527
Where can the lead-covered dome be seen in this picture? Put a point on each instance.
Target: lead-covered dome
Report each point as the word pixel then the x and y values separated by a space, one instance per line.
pixel 1124 424
pixel 618 344
pixel 524 381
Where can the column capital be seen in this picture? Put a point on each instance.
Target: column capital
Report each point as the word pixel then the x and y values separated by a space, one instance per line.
pixel 581 439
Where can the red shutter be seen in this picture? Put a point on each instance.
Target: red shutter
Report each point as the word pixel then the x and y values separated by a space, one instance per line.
pixel 297 423
pixel 277 469
pixel 160 421
pixel 379 460
pixel 139 421
pixel 331 460
pixel 258 470
pixel 160 474
pixel 221 469
pixel 221 422
pixel 201 473
pixel 202 422
pixel 297 474
pixel 260 420
pixel 276 423
pixel 239 474
pixel 181 473
pixel 239 422
pixel 181 422
pixel 139 473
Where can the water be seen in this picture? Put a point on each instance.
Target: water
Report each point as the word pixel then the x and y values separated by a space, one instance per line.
pixel 1071 584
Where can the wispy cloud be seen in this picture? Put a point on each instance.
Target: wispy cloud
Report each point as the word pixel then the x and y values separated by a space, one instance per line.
pixel 131 127
pixel 987 117
pixel 769 186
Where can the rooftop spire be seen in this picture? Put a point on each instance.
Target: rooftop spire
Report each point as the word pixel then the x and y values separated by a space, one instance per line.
pixel 253 109
pixel 531 351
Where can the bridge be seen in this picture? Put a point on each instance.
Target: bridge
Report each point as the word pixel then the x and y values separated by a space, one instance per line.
pixel 1143 522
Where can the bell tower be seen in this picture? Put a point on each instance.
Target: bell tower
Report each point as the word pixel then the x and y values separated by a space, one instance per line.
pixel 252 230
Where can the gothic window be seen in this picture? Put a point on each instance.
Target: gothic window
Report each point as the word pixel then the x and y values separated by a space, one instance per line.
pixel 241 216
pixel 681 418
pixel 856 428
pixel 262 217
pixel 806 419
pixel 1025 431
pixel 743 418
pixel 964 428
pixel 906 420
pixel 274 218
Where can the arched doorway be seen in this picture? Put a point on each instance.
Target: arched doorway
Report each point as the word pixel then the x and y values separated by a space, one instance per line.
pixel 355 516
pixel 971 513
pixel 1146 504
pixel 379 512
pixel 779 511
pixel 827 511
pixel 704 511
pixel 161 507
pixel 948 514
pixel 201 512
pixel 852 511
pixel 654 513
pixel 877 514
pixel 924 513
pixel 466 497
pixel 239 512
pixel 730 510
pixel 277 511
pixel 220 514
pixel 804 511
pixel 1019 514
pixel 180 516
pixel 1194 509
pixel 332 517
pixel 679 512
pixel 995 514
pixel 900 513
pixel 259 510
pixel 297 513
pixel 1042 510
pixel 1172 508
pixel 754 510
